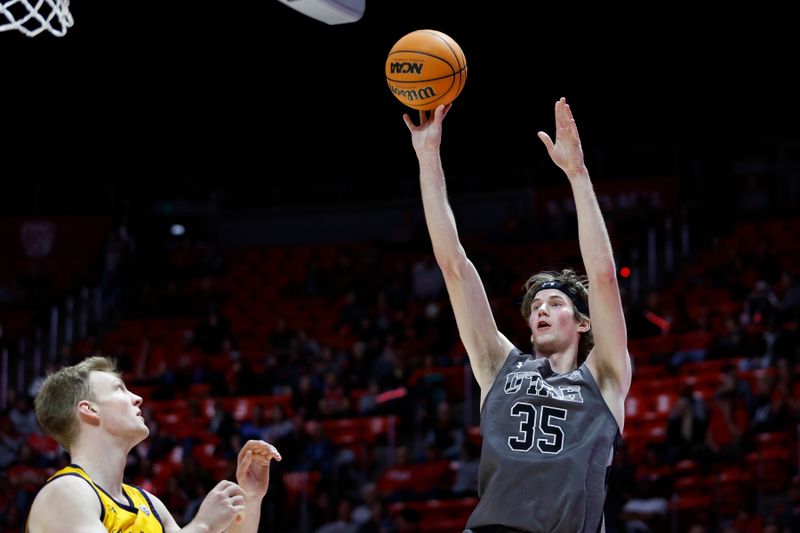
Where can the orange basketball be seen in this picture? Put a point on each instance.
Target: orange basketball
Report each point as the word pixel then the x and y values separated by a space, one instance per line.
pixel 426 68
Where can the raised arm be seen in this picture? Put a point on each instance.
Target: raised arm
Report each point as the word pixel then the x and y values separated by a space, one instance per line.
pixel 252 474
pixel 609 360
pixel 231 507
pixel 485 345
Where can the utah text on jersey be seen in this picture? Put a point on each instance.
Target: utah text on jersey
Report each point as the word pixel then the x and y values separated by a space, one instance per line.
pixel 535 386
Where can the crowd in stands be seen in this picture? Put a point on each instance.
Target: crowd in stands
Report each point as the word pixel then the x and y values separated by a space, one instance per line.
pixel 346 357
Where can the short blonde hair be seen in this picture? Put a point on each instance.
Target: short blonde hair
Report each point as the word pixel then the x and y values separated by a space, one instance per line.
pixel 60 394
pixel 578 285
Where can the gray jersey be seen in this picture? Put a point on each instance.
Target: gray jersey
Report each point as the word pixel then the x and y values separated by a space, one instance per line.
pixel 548 440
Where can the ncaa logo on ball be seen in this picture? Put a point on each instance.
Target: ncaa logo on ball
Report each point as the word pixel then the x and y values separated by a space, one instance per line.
pixel 405 67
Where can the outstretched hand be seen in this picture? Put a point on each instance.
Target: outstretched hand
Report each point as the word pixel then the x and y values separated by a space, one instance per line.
pixel 428 135
pixel 252 470
pixel 566 152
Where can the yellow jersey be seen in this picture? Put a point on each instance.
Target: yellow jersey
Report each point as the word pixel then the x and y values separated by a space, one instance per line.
pixel 136 515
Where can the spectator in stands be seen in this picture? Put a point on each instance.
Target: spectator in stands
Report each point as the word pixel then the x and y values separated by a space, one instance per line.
pixel 686 428
pixel 770 407
pixel 10 442
pixel 362 509
pixel 761 305
pixel 765 264
pixel 279 426
pixel 306 397
pixel 368 403
pixel 444 433
pixel 333 397
pixel 549 420
pixel 222 423
pixel 342 523
pixel 789 517
pixel 119 260
pixel 731 382
pixel 350 314
pixel 728 343
pixel 23 416
pixel 787 341
pixel 727 425
pixel 211 334
pixel 651 317
pixel 319 453
pixel 255 427
pixel 397 482
pixel 427 279
pixel 466 469
pixel 36 384
pixel 91 413
pixel 753 198
pixel 281 337
pixel 789 298
pixel 646 510
pixel 652 466
pixel 380 521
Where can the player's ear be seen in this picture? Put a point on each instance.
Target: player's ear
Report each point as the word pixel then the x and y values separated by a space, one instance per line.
pixel 87 411
pixel 584 325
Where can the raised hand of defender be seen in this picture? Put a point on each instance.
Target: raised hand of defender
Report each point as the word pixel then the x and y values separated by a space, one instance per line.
pixel 252 469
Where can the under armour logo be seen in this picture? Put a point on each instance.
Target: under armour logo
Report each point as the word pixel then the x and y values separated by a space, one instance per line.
pixel 519 365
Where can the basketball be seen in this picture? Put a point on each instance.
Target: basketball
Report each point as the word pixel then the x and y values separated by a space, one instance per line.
pixel 425 69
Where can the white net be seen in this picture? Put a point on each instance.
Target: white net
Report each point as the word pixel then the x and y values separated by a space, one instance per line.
pixel 32 17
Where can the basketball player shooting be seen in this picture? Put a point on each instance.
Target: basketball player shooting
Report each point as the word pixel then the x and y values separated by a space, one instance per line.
pixel 550 420
pixel 90 412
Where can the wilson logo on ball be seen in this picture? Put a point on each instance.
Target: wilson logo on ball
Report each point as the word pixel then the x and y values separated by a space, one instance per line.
pixel 412 95
pixel 425 69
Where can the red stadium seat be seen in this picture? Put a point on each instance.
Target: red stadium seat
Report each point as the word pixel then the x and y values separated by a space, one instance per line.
pixel 300 485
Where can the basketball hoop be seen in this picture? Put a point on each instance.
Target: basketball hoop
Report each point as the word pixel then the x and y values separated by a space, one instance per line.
pixel 32 17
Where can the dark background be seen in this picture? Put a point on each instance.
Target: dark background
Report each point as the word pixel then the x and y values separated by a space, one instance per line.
pixel 210 94
pixel 244 121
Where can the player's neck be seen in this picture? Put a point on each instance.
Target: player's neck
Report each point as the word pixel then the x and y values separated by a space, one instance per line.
pixel 104 464
pixel 562 362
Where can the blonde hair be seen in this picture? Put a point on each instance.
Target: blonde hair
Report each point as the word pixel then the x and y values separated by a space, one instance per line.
pixel 579 285
pixel 60 394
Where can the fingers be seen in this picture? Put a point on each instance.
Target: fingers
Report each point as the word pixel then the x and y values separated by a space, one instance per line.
pixel 235 496
pixel 230 489
pixel 546 140
pixel 221 506
pixel 437 115
pixel 562 120
pixel 260 451
pixel 248 458
pixel 568 110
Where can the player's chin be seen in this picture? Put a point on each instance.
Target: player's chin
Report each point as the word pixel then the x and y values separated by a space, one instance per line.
pixel 544 344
